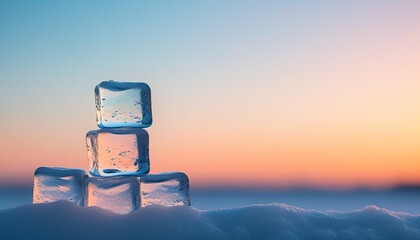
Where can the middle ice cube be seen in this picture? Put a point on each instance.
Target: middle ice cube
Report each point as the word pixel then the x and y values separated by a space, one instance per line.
pixel 118 152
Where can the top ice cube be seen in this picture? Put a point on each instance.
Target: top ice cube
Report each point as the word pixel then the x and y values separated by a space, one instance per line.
pixel 123 104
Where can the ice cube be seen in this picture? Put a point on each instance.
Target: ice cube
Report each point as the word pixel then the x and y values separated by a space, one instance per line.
pixel 117 194
pixel 118 152
pixel 53 184
pixel 168 189
pixel 123 104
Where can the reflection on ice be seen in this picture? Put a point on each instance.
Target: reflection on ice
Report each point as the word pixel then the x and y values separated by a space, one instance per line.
pixel 123 104
pixel 54 184
pixel 117 152
pixel 117 194
pixel 168 189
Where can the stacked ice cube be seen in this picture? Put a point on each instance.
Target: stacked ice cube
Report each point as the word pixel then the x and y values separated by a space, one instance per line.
pixel 118 155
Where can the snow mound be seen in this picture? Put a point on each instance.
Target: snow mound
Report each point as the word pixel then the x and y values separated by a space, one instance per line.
pixel 63 220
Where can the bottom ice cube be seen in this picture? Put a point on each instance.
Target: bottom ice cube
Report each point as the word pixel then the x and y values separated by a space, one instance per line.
pixel 53 184
pixel 168 189
pixel 117 194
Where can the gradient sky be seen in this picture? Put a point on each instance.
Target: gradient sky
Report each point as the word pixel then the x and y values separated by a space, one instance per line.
pixel 261 93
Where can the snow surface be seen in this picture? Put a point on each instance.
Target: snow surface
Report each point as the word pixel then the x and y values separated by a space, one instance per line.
pixel 64 220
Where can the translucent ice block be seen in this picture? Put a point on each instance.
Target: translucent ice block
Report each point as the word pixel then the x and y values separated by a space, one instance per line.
pixel 53 184
pixel 168 189
pixel 118 194
pixel 123 104
pixel 118 152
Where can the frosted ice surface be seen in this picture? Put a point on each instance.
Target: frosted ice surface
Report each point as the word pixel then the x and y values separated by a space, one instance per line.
pixel 118 152
pixel 123 104
pixel 118 194
pixel 168 189
pixel 53 184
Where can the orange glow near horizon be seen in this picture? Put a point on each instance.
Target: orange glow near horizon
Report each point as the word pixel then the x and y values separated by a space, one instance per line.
pixel 346 142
